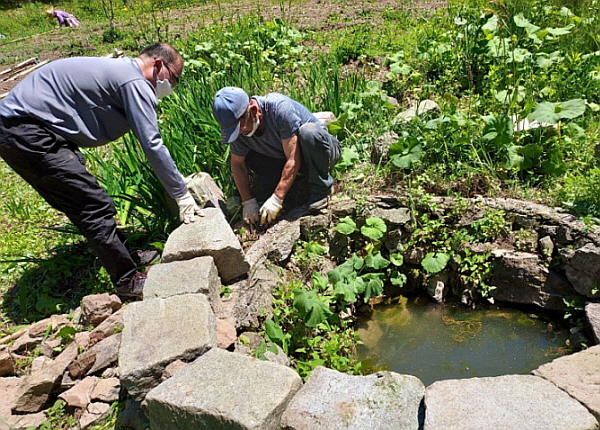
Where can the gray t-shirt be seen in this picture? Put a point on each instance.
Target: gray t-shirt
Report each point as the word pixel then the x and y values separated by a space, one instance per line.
pixel 93 101
pixel 282 118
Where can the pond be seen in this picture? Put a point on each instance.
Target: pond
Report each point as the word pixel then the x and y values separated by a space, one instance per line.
pixel 435 342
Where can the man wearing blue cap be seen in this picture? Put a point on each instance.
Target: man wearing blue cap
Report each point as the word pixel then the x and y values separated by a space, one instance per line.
pixel 88 102
pixel 274 136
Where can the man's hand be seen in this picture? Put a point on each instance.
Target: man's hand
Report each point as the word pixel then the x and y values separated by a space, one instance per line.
pixel 250 212
pixel 270 209
pixel 187 208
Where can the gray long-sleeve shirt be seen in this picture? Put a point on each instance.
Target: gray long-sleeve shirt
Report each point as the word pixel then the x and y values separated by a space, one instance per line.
pixel 93 101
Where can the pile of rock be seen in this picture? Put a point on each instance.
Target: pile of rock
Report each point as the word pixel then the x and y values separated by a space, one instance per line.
pixel 75 361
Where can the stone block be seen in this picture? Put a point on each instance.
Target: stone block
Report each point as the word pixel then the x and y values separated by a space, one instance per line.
pixel 160 331
pixel 331 400
pixel 579 375
pixel 208 235
pixel 511 402
pixel 196 276
pixel 205 191
pixel 223 391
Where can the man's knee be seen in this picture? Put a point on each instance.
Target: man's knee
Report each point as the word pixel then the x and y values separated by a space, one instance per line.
pixel 310 134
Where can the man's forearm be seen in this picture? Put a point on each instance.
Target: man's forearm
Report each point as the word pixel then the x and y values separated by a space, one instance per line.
pixel 288 175
pixel 242 182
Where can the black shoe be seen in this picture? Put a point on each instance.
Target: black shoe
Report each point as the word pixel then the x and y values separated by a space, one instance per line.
pixel 145 258
pixel 317 203
pixel 135 287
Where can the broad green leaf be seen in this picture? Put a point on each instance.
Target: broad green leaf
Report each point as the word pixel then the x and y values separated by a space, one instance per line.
pixel 406 160
pixel 316 248
pixel 518 55
pixel 346 226
pixel 356 262
pixel 498 129
pixel 373 285
pixel 376 261
pixel 374 228
pixel 348 158
pixel 66 334
pixel 553 112
pixel 514 159
pixel 523 22
pixel 312 308
pixel 397 259
pixel 400 69
pixel 554 164
pixel 348 288
pixel 319 282
pixel 398 279
pixel 544 60
pixel 491 26
pixel 274 332
pixel 435 262
pixel 560 31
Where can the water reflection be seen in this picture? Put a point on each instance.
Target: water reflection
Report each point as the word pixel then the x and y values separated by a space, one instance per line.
pixel 436 342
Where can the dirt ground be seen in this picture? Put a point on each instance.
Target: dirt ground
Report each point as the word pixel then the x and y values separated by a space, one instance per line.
pixel 304 15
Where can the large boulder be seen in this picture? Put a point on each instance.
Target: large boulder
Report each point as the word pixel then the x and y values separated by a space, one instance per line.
pixel 511 402
pixel 583 270
pixel 523 278
pixel 196 276
pixel 331 400
pixel 210 235
pixel 159 331
pixel 223 391
pixel 577 374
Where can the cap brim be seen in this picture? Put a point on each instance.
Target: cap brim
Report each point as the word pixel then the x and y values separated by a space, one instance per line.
pixel 230 134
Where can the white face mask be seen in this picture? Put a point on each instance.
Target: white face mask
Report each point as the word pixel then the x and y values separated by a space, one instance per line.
pixel 255 125
pixel 163 88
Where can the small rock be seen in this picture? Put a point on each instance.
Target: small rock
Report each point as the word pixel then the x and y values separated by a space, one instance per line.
pixel 82 339
pixel 109 326
pixel 80 395
pixel 106 390
pixel 96 308
pixel 82 364
pixel 25 343
pixel 226 334
pixel 38 363
pixel 95 412
pixel 7 363
pixel 111 372
pixel 173 368
pixel 49 347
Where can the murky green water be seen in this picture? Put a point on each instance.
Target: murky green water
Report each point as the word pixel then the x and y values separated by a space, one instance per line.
pixel 435 342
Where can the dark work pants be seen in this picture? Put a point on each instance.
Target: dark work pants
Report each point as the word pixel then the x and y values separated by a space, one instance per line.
pixel 55 168
pixel 320 151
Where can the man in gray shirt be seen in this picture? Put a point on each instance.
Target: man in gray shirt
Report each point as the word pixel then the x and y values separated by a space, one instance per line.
pixel 274 136
pixel 88 102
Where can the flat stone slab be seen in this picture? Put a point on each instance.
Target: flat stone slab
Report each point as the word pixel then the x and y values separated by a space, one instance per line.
pixel 579 375
pixel 208 235
pixel 331 400
pixel 511 402
pixel 159 331
pixel 223 391
pixel 196 276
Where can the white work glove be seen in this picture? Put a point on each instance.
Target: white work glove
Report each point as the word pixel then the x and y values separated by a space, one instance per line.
pixel 270 209
pixel 187 208
pixel 250 212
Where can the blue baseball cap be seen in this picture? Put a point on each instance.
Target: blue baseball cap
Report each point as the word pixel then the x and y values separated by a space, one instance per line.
pixel 228 106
